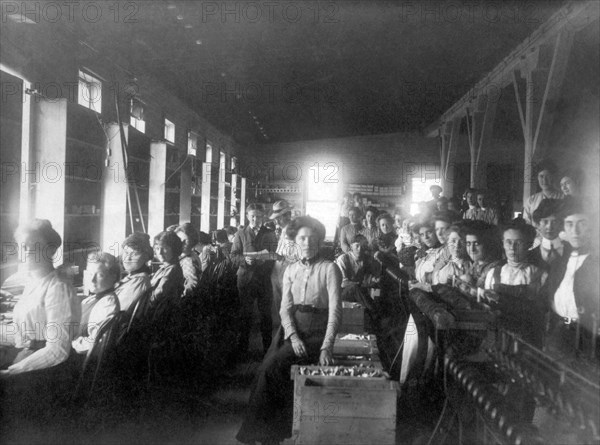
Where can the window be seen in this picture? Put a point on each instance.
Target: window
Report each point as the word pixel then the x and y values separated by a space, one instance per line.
pixel 192 143
pixel 420 192
pixel 90 92
pixel 136 116
pixel 233 164
pixel 209 151
pixel 323 195
pixel 169 130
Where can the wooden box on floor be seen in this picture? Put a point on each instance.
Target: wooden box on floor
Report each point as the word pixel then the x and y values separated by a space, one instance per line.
pixel 344 410
pixel 353 318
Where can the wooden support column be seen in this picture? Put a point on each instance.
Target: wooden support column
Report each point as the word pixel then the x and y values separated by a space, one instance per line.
pixel 450 134
pixel 205 205
pixel 185 192
pixel 45 174
pixel 234 203
pixel 543 70
pixel 114 194
pixel 156 189
pixel 243 203
pixel 221 191
pixel 481 123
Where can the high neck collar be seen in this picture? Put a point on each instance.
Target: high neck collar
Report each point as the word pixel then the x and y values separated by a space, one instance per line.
pixel 310 261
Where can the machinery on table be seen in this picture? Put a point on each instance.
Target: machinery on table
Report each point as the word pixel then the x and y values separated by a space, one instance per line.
pixel 505 390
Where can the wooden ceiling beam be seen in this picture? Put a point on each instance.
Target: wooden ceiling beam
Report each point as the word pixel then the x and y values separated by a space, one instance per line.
pixel 570 18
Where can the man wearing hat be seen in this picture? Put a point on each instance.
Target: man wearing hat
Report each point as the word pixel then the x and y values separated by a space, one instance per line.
pixel 282 214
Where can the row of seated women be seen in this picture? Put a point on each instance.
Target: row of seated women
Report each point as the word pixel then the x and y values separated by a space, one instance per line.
pixel 179 304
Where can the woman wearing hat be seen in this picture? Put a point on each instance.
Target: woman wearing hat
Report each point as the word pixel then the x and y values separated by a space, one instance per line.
pixel 311 313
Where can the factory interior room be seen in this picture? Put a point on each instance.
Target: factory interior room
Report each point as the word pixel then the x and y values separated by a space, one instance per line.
pixel 300 222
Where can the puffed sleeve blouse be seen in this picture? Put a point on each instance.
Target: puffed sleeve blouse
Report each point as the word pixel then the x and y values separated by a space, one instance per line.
pixel 49 311
pixel 316 283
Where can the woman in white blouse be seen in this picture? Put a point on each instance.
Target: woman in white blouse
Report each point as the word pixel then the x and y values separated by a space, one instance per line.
pixel 517 238
pixel 101 274
pixel 519 283
pixel 311 312
pixel 459 260
pixel 48 310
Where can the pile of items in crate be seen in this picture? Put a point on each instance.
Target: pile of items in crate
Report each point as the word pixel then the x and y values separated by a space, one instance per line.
pixel 353 401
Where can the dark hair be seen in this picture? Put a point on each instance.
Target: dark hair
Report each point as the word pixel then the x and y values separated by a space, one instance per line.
pixel 170 239
pixel 575 174
pixel 428 224
pixel 528 231
pixel 305 221
pixel 255 206
pixel 110 262
pixel 231 230
pixel 358 238
pixel 442 216
pixel 385 215
pixel 356 210
pixel 139 242
pixel 204 238
pixel 220 236
pixel 372 209
pixel 190 231
pixel 572 206
pixel 547 207
pixel 546 164
pixel 41 228
pixel 487 234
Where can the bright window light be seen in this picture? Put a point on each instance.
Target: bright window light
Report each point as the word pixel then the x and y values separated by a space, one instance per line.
pixel 136 116
pixel 192 143
pixel 209 151
pixel 420 192
pixel 90 92
pixel 169 131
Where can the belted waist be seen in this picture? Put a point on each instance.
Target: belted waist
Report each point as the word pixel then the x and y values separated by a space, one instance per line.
pixel 34 345
pixel 309 308
pixel 555 318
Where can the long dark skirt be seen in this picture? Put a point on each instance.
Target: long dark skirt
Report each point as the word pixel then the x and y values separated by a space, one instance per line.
pixel 270 409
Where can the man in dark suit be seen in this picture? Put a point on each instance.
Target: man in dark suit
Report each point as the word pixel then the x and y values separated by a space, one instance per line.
pixel 254 275
pixel 548 222
pixel 574 294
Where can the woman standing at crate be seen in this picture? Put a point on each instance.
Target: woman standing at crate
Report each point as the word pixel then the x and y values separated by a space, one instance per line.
pixel 311 312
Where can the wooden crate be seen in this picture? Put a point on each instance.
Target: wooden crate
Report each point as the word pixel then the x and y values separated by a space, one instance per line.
pixel 344 410
pixel 353 318
pixel 363 346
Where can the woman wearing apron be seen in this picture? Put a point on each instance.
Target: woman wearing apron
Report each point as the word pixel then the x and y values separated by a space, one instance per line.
pixel 311 312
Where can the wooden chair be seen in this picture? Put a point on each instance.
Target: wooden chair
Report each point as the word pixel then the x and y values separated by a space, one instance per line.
pixel 97 355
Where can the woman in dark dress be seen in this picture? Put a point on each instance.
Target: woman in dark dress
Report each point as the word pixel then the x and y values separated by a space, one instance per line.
pixel 311 312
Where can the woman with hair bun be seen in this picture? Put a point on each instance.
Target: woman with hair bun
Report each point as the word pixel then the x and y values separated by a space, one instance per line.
pixel 311 312
pixel 48 308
